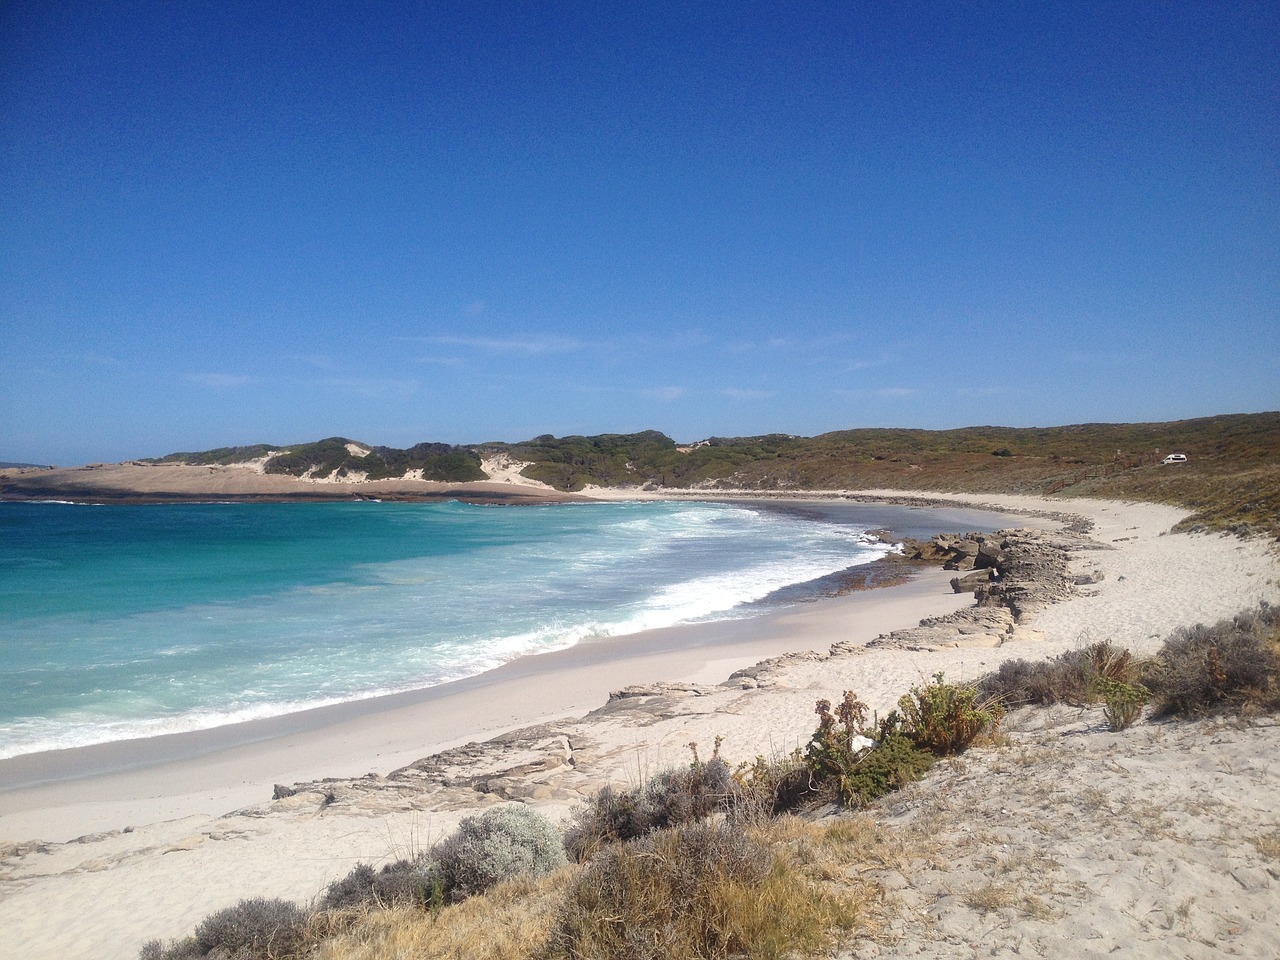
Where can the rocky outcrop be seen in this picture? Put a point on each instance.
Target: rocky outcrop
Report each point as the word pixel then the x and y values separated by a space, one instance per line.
pixel 1014 573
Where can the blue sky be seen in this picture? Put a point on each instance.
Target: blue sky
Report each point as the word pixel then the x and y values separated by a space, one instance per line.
pixel 227 223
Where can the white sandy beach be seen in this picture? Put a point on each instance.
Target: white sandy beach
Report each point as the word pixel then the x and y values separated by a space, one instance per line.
pixel 94 866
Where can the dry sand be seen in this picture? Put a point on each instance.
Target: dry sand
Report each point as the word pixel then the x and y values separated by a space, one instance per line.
pixel 1139 844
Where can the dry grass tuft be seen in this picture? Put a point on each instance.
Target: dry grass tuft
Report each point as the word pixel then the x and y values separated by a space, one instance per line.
pixel 513 921
pixel 994 896
pixel 1268 844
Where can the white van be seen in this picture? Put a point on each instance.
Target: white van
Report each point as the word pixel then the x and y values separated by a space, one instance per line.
pixel 1175 458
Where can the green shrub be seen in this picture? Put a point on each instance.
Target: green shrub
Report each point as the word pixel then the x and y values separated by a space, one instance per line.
pixel 894 762
pixel 844 759
pixel 1122 702
pixel 500 844
pixel 1232 665
pixel 673 797
pixel 945 718
pixel 766 788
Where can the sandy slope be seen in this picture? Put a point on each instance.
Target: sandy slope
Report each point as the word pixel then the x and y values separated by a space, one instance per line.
pixel 137 481
pixel 1134 844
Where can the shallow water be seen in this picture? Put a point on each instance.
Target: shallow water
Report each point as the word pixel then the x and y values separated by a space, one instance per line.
pixel 125 621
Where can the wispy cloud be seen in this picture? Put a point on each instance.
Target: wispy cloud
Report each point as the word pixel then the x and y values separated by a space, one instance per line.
pixel 895 392
pixel 736 393
pixel 318 360
pixel 527 345
pixel 372 386
pixel 665 394
pixel 220 381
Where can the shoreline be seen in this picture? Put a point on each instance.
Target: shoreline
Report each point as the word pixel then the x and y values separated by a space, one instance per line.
pixel 43 795
pixel 85 762
pixel 149 853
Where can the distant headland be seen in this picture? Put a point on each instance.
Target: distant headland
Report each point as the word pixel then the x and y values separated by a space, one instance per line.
pixel 1230 478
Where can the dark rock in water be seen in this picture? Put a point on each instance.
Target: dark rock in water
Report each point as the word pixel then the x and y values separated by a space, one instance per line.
pixel 281 791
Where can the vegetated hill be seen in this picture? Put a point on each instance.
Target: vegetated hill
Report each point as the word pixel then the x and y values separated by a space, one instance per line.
pixel 1231 478
pixel 339 457
pixel 221 455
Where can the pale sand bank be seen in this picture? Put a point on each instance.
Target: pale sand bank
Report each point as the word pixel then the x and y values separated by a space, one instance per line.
pixel 103 896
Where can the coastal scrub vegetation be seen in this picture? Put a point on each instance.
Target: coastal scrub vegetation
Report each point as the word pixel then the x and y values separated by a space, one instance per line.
pixel 1071 678
pixel 1232 666
pixel 945 718
pixel 335 458
pixel 708 860
pixel 845 761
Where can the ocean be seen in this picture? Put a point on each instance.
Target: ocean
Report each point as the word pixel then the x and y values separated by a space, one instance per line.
pixel 119 622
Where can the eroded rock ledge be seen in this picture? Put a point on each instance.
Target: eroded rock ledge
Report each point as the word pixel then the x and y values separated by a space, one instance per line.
pixel 1012 574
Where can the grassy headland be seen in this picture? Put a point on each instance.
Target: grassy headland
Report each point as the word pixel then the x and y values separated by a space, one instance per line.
pixel 1230 480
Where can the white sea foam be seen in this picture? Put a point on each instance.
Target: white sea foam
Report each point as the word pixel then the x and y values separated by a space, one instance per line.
pixel 480 588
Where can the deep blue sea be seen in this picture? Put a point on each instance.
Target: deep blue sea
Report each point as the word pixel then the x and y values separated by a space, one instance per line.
pixel 127 621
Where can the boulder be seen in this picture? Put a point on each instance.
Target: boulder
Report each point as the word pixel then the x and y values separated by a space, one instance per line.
pixel 971 582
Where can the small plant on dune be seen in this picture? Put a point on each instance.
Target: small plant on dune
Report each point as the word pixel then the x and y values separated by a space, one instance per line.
pixel 945 718
pixel 839 743
pixel 766 788
pixel 843 756
pixel 673 797
pixel 500 844
pixel 1122 703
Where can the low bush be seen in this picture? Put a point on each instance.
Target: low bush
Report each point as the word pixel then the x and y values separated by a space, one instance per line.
pixel 669 799
pixel 767 788
pixel 1068 678
pixel 500 844
pixel 403 883
pixel 945 718
pixel 708 890
pixel 256 929
pixel 1232 665
pixel 892 764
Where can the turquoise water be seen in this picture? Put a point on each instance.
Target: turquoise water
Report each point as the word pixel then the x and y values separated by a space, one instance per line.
pixel 127 621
